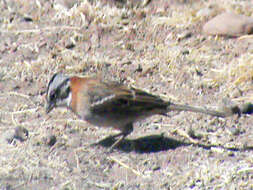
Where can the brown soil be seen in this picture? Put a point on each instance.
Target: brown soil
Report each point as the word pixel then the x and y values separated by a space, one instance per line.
pixel 155 45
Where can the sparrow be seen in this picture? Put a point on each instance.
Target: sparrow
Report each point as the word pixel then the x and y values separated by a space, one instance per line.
pixel 110 104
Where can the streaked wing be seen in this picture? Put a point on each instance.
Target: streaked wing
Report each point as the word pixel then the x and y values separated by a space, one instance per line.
pixel 121 100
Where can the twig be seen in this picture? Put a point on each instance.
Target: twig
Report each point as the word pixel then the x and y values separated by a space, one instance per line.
pixel 19 185
pixel 125 166
pixel 247 98
pixel 245 37
pixel 100 185
pixel 18 94
pixel 13 120
pixel 77 161
pixel 64 120
pixel 66 183
pixel 245 170
pixel 184 134
pixel 41 29
pixel 19 112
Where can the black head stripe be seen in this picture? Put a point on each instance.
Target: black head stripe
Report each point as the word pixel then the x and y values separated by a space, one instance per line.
pixel 57 86
pixel 62 90
pixel 65 90
pixel 64 83
pixel 51 80
pixel 65 94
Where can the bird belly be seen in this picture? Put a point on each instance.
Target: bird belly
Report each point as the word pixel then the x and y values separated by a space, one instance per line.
pixel 115 120
pixel 107 120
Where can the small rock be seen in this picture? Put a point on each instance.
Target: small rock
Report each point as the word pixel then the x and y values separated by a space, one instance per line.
pixel 193 134
pixel 229 107
pixel 229 24
pixel 236 93
pixel 50 140
pixel 68 4
pixel 204 12
pixel 28 19
pixel 70 45
pixel 140 14
pixel 21 133
pixel 217 149
pixel 139 68
pixel 184 35
pixel 234 131
pixel 155 168
pixel 231 154
pixel 185 52
pixel 145 2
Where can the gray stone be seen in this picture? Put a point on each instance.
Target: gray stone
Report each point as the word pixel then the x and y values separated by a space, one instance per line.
pixel 229 24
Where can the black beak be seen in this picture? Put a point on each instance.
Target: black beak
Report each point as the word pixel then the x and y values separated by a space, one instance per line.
pixel 49 106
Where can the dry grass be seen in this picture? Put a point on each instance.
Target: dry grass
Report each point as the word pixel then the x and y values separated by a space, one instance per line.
pixel 155 45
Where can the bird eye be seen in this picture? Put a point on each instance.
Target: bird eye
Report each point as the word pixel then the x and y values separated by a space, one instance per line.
pixel 52 95
pixel 65 93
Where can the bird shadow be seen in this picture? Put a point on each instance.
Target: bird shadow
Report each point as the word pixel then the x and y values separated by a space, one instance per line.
pixel 156 143
pixel 247 108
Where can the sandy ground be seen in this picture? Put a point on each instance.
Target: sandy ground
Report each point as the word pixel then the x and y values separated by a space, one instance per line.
pixel 155 45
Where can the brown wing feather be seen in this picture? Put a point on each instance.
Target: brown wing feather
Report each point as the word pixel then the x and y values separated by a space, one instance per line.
pixel 108 97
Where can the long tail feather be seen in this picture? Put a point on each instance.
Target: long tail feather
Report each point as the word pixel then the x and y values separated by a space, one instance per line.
pixel 180 107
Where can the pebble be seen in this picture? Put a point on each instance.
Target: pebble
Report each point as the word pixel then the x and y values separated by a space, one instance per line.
pixel 19 133
pixel 229 107
pixel 67 4
pixel 49 140
pixel 229 24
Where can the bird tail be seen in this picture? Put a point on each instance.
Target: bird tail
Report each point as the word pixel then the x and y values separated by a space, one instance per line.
pixel 179 107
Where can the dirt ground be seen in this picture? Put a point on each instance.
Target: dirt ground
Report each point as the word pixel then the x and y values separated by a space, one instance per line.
pixel 155 45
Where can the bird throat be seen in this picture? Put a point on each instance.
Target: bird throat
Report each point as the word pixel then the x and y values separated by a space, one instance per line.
pixel 69 99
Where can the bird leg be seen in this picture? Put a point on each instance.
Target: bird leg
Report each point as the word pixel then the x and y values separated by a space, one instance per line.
pixel 118 141
pixel 108 137
pixel 127 130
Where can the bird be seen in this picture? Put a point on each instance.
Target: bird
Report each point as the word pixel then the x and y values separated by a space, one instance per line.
pixel 109 104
